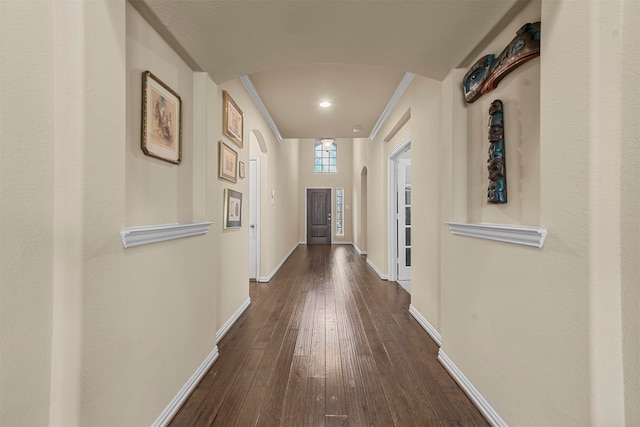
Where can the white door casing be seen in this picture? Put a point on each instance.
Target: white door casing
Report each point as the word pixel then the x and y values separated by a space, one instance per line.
pixel 402 151
pixel 254 218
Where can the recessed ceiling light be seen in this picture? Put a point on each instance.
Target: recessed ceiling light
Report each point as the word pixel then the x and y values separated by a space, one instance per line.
pixel 325 104
pixel 356 129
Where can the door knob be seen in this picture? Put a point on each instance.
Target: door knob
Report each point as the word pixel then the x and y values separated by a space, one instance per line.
pixel 252 226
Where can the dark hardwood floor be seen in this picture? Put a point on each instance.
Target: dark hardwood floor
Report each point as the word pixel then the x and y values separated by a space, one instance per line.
pixel 327 343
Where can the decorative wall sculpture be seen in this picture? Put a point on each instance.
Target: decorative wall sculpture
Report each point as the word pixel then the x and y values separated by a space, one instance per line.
pixel 497 191
pixel 486 73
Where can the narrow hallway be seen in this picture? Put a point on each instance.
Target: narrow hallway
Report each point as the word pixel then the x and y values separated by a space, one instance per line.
pixel 327 342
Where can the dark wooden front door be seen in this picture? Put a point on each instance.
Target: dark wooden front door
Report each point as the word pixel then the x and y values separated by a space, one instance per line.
pixel 319 216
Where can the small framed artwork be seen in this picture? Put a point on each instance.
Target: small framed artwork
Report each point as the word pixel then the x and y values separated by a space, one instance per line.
pixel 232 209
pixel 228 167
pixel 241 170
pixel 232 120
pixel 161 120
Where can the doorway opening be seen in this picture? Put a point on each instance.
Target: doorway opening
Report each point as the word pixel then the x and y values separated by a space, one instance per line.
pixel 254 218
pixel 400 215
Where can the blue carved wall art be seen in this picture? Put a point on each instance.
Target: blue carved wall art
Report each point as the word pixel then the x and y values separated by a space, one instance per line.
pixel 496 164
pixel 486 73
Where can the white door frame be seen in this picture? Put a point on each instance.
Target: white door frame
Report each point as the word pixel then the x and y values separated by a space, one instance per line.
pixel 254 195
pixel 392 190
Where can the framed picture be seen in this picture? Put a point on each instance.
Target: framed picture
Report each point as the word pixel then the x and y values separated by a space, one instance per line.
pixel 228 168
pixel 232 120
pixel 232 208
pixel 241 170
pixel 161 120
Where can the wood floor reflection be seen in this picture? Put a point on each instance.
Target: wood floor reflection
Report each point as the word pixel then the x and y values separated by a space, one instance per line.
pixel 327 343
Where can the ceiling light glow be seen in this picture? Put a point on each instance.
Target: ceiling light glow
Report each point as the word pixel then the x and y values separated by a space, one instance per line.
pixel 325 104
pixel 327 143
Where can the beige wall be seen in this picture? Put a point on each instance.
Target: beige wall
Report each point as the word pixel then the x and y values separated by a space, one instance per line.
pixel 278 176
pixel 87 326
pixel 513 315
pixel 135 300
pixel 307 178
pixel 359 198
pixel 630 204
pixel 27 147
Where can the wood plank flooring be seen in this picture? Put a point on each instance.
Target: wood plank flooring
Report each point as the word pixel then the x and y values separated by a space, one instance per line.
pixel 327 343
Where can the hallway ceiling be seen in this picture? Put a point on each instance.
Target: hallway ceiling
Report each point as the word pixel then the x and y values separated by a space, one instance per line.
pixel 299 52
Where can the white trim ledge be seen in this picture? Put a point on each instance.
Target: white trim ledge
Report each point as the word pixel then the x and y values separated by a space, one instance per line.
pixel 481 403
pixel 433 332
pixel 173 407
pixel 232 320
pixel 147 234
pixel 516 234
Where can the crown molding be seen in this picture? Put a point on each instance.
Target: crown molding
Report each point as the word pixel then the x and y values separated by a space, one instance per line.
pixel 402 87
pixel 253 93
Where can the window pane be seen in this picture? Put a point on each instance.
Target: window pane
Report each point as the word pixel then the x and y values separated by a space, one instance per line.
pixel 339 211
pixel 325 160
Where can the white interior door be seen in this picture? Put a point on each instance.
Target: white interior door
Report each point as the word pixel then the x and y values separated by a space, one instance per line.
pixel 403 222
pixel 254 218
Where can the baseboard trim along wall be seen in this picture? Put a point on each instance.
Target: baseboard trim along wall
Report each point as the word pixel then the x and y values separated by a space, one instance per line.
pixel 481 403
pixel 360 251
pixel 433 332
pixel 377 270
pixel 233 319
pixel 170 411
pixel 275 270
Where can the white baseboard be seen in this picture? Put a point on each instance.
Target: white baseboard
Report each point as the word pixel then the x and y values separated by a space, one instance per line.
pixel 481 403
pixel 378 272
pixel 275 270
pixel 433 332
pixel 233 319
pixel 360 251
pixel 175 404
pixel 341 242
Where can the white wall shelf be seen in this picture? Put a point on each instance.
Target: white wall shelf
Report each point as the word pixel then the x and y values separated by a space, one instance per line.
pixel 516 234
pixel 145 235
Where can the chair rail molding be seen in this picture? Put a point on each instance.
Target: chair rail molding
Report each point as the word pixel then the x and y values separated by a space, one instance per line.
pixel 516 234
pixel 147 234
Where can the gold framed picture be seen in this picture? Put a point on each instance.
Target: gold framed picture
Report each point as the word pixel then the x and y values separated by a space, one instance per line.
pixel 232 209
pixel 232 120
pixel 228 166
pixel 161 120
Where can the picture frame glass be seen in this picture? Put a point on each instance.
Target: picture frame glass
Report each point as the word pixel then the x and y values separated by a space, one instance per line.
pixel 232 208
pixel 161 120
pixel 233 120
pixel 228 166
